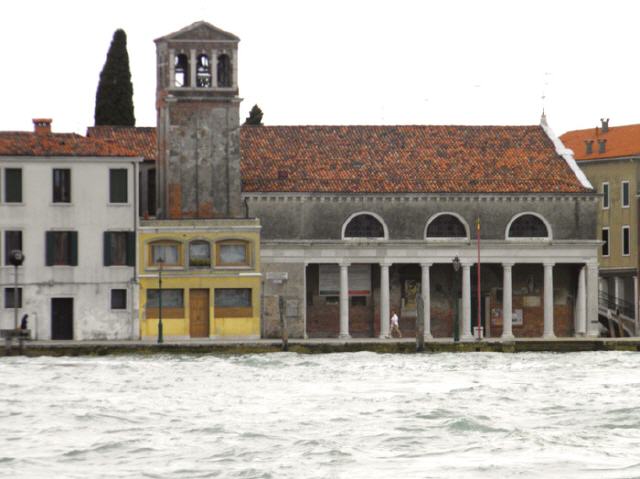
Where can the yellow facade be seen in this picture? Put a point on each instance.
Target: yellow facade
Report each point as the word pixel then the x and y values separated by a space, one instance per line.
pixel 220 299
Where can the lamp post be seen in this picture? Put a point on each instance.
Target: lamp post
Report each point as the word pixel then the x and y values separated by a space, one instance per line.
pixel 456 320
pixel 160 262
pixel 16 258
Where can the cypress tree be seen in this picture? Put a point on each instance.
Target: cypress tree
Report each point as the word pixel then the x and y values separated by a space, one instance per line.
pixel 255 116
pixel 114 97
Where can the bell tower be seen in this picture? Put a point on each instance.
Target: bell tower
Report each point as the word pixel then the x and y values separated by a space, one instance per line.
pixel 198 124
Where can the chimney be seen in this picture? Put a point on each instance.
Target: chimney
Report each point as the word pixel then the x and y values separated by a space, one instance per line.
pixel 589 146
pixel 605 125
pixel 42 126
pixel 602 144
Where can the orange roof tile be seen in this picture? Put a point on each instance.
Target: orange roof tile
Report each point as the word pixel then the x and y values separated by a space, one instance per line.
pixel 389 159
pixel 622 141
pixel 22 143
pixel 142 140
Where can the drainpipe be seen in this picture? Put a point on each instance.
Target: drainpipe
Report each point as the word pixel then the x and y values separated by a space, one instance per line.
pixel 135 333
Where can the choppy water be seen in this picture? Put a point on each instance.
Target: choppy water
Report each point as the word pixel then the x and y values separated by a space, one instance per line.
pixel 360 415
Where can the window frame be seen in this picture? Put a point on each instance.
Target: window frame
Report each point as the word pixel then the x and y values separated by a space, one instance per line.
pixel 232 311
pixel 165 242
pixel 72 248
pixel 112 171
pixel 607 242
pixel 129 248
pixel 385 230
pixel 233 242
pixel 8 295
pixel 606 197
pixel 53 187
pixel 126 299
pixel 547 238
pixel 622 190
pixel 168 312
pixel 4 242
pixel 5 188
pixel 447 238
pixel 628 237
pixel 199 241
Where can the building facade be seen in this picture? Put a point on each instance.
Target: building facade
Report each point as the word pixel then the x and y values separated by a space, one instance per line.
pixel 70 204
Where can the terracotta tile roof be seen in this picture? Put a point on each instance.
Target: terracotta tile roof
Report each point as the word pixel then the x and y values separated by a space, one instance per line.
pixel 22 143
pixel 621 141
pixel 386 159
pixel 142 140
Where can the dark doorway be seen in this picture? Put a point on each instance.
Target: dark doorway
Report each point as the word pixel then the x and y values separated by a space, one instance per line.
pixel 61 318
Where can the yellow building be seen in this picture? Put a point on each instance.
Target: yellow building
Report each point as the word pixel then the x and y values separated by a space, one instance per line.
pixel 207 274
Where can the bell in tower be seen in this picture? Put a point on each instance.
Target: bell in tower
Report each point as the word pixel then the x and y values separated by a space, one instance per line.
pixel 198 124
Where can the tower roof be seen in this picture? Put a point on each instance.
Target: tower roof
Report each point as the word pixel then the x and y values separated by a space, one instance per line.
pixel 200 31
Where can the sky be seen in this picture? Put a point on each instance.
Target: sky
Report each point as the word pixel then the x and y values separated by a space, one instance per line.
pixel 494 62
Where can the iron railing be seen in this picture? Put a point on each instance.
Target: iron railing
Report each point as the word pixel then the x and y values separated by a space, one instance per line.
pixel 612 303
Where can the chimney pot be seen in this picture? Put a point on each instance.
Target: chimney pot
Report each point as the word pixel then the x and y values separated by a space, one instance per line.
pixel 42 126
pixel 605 125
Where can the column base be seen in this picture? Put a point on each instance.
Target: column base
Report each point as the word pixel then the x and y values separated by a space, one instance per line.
pixel 549 336
pixel 344 336
pixel 428 336
pixel 467 338
pixel 507 337
pixel 384 336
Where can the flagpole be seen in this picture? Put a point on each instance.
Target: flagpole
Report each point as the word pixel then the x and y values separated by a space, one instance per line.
pixel 478 290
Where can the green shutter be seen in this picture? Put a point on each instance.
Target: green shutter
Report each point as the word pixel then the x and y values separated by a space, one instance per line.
pixel 13 185
pixel 50 245
pixel 118 186
pixel 131 248
pixel 107 248
pixel 73 247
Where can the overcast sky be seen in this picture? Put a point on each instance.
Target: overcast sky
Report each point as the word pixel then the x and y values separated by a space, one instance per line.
pixel 343 62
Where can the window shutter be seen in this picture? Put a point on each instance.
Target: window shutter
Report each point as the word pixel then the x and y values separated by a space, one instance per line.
pixel 73 247
pixel 107 248
pixel 49 248
pixel 131 248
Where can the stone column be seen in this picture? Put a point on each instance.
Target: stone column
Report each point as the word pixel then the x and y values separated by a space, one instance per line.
pixel 213 68
pixel 465 331
pixel 385 312
pixel 548 301
pixel 172 69
pixel 304 301
pixel 507 305
pixel 234 68
pixel 344 301
pixel 618 289
pixel 635 305
pixel 192 68
pixel 581 304
pixel 593 326
pixel 426 300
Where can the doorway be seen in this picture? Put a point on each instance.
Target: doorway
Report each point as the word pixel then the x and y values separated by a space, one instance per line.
pixel 199 313
pixel 61 318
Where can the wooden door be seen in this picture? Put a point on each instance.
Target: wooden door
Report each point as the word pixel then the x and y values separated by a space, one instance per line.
pixel 61 318
pixel 199 313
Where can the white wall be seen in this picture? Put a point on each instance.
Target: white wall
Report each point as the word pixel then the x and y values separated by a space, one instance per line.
pixel 90 214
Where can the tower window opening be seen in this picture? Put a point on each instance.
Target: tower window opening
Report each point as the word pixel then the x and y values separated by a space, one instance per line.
pixel 181 76
pixel 224 71
pixel 203 72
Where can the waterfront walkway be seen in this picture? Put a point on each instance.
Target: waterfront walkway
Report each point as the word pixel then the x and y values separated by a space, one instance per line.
pixel 329 345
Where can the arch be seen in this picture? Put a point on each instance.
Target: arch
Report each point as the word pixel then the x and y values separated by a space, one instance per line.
pixel 233 252
pixel 203 72
pixel 439 221
pixel 528 225
pixel 365 224
pixel 169 250
pixel 224 70
pixel 199 253
pixel 181 70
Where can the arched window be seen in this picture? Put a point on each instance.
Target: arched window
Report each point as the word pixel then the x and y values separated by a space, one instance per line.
pixel 232 253
pixel 224 70
pixel 364 226
pixel 203 72
pixel 165 253
pixel 528 226
pixel 446 225
pixel 181 70
pixel 199 254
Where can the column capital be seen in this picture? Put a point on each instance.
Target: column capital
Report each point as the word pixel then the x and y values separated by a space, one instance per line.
pixel 592 264
pixel 549 264
pixel 508 264
pixel 385 264
pixel 467 264
pixel 426 265
pixel 344 264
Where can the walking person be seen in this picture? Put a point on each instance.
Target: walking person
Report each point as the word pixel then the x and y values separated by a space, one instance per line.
pixel 395 326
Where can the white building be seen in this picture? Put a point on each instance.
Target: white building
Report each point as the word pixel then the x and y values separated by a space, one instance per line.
pixel 70 204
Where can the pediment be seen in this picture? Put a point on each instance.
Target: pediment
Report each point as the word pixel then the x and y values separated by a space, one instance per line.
pixel 200 31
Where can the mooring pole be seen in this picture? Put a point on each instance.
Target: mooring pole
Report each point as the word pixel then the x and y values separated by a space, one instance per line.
pixel 420 326
pixel 283 324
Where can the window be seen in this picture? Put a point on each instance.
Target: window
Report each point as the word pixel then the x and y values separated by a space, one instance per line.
pixel 118 185
pixel 446 226
pixel 605 196
pixel 233 302
pixel 224 71
pixel 364 226
pixel 119 248
pixel 358 300
pixel 167 252
pixel 13 185
pixel 62 248
pixel 625 241
pixel 605 241
pixel 61 185
pixel 203 72
pixel 172 303
pixel 625 194
pixel 528 226
pixel 199 254
pixel 118 299
pixel 232 253
pixel 9 297
pixel 181 69
pixel 12 241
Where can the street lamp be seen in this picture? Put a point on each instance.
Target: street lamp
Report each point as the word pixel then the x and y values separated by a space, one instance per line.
pixel 16 258
pixel 160 262
pixel 456 320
